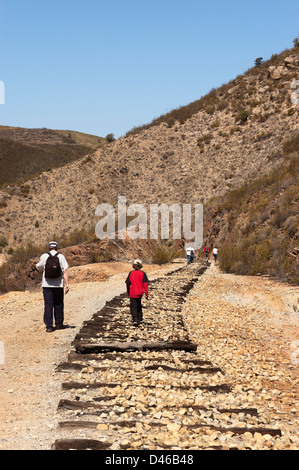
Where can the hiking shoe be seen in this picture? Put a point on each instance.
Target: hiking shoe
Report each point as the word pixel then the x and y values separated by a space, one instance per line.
pixel 50 329
pixel 60 327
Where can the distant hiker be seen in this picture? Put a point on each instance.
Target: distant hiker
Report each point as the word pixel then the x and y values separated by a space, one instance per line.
pixel 55 279
pixel 190 254
pixel 215 253
pixel 137 285
pixel 206 252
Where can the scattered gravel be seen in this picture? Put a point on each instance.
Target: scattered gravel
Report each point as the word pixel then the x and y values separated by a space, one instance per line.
pixel 245 329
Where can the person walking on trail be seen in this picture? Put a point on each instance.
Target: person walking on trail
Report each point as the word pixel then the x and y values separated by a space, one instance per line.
pixel 206 252
pixel 137 286
pixel 215 253
pixel 55 283
pixel 190 254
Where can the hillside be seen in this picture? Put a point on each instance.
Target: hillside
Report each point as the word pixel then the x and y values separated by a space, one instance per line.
pixel 230 137
pixel 256 227
pixel 25 153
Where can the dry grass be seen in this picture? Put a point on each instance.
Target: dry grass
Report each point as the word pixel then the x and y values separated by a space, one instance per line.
pixel 260 222
pixel 25 153
pixel 164 253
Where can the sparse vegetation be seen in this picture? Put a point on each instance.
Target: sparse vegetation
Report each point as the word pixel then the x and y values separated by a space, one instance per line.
pixel 29 152
pixel 77 237
pixel 242 116
pixel 164 253
pixel 258 61
pixel 208 103
pixel 260 223
pixel 222 98
pixel 10 272
pixel 100 256
pixel 3 242
pixel 110 138
pixel 257 223
pixel 204 139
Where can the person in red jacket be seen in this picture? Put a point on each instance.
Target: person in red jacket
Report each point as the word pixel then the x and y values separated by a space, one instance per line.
pixel 137 285
pixel 206 252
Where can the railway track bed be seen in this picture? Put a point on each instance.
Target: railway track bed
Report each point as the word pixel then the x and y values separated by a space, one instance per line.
pixel 148 388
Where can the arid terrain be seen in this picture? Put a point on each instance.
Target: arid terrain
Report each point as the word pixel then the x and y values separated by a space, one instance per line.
pixel 234 135
pixel 234 150
pixel 29 385
pixel 243 324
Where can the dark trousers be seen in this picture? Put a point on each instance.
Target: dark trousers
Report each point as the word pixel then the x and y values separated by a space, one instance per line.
pixel 136 310
pixel 54 304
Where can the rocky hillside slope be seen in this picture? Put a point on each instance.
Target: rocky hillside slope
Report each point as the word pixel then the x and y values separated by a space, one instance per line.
pixel 25 153
pixel 232 136
pixel 256 226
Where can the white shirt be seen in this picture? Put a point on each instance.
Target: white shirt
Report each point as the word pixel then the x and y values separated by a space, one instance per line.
pixel 189 250
pixel 41 265
pixel 215 251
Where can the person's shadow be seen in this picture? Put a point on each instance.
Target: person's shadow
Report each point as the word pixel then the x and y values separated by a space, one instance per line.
pixel 64 327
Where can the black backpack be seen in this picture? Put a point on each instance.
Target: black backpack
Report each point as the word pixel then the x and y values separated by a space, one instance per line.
pixel 53 268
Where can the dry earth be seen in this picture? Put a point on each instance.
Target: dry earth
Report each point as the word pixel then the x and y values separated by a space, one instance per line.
pixel 29 385
pixel 246 325
pixel 249 326
pixel 204 157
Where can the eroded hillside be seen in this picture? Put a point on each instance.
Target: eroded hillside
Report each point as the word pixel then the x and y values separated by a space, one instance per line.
pixel 237 135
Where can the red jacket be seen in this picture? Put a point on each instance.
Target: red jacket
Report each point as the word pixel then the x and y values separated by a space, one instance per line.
pixel 137 284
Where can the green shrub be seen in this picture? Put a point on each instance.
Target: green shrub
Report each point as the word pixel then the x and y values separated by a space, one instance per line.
pixel 242 116
pixel 77 237
pixel 110 138
pixel 296 42
pixel 22 255
pixel 163 254
pixel 246 256
pixel 258 61
pixel 3 242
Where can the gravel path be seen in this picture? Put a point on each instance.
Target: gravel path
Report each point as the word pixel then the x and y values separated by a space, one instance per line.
pixel 29 383
pixel 249 326
pixel 246 326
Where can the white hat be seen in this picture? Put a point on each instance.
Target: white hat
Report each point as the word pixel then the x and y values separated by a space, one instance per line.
pixel 53 245
pixel 137 263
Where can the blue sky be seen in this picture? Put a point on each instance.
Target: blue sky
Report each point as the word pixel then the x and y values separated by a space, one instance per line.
pixel 105 66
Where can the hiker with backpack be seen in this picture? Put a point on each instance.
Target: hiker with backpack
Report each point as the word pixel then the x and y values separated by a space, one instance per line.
pixel 190 254
pixel 215 253
pixel 55 283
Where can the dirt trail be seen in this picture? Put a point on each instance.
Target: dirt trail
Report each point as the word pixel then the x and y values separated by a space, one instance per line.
pixel 29 384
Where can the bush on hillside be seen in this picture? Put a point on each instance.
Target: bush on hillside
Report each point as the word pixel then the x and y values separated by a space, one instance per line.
pixel 163 254
pixel 242 116
pixel 260 223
